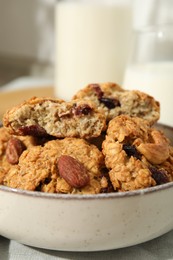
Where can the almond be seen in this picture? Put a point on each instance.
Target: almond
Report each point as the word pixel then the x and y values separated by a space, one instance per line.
pixel 14 149
pixel 73 171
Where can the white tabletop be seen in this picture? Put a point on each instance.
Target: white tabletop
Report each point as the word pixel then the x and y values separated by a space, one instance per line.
pixel 157 249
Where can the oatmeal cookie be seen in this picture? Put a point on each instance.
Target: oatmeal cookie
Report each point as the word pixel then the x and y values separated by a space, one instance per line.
pixel 39 168
pixel 112 100
pixel 7 143
pixel 136 154
pixel 44 116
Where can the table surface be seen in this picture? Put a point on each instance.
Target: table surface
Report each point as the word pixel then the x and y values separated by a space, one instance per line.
pixel 8 99
pixel 157 249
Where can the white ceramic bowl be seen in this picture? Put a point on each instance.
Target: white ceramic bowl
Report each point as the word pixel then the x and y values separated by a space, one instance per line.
pixel 86 223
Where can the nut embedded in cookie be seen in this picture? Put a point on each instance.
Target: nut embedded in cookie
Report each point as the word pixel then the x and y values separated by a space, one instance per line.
pixel 73 171
pixel 137 155
pixel 39 168
pixel 11 147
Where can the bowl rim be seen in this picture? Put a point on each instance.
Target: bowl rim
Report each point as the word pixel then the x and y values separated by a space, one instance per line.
pixel 99 196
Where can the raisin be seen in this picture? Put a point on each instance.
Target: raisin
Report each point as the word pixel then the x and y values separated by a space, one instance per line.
pixel 131 151
pixel 34 130
pixel 82 110
pixel 110 102
pixel 159 175
pixel 97 90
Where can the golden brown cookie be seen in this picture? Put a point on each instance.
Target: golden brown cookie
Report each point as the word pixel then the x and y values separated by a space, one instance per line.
pixel 136 154
pixel 11 147
pixel 112 100
pixel 70 165
pixel 44 116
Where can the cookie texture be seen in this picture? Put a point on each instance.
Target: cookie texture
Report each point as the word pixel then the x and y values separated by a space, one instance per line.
pixel 2 174
pixel 112 100
pixel 101 141
pixel 136 155
pixel 8 151
pixel 38 168
pixel 43 116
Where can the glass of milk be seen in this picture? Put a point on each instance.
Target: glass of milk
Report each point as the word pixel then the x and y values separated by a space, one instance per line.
pixel 92 43
pixel 151 67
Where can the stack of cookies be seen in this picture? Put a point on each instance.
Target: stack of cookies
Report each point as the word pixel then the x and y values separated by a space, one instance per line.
pixel 101 141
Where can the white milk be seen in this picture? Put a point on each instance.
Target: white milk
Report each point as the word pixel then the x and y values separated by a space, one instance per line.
pixel 92 43
pixel 155 79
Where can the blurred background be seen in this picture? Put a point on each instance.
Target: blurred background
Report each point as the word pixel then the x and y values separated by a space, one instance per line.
pixel 26 39
pixel 27 33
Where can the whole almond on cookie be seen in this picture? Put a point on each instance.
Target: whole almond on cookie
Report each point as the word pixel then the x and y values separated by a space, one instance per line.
pixel 14 149
pixel 73 171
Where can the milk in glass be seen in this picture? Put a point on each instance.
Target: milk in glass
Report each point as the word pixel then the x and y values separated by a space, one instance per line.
pixel 92 43
pixel 156 79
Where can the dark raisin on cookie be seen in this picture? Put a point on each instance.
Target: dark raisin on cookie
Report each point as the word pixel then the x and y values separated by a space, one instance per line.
pixel 97 90
pixel 84 109
pixel 110 102
pixel 131 151
pixel 34 130
pixel 159 175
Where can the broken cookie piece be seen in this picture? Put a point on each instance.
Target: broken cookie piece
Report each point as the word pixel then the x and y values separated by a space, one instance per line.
pixel 43 117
